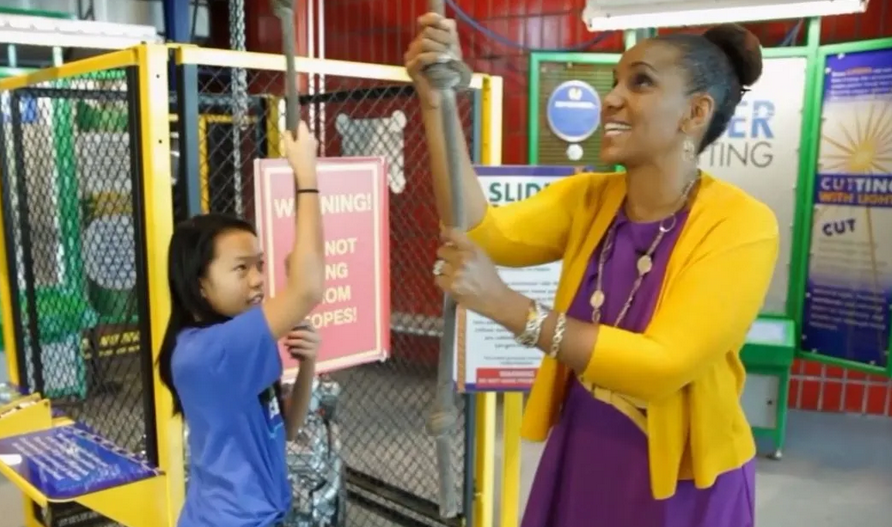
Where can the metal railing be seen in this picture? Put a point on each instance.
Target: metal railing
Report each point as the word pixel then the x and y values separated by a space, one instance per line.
pixel 100 158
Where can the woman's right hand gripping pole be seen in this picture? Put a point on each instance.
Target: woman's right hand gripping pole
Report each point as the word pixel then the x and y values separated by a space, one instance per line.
pixel 437 41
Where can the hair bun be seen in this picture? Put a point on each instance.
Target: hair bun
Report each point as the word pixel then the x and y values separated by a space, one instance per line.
pixel 742 49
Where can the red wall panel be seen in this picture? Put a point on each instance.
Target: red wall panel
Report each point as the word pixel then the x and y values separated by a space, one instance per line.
pixel 263 33
pixel 379 32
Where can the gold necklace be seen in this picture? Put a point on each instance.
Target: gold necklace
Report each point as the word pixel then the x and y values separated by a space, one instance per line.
pixel 644 264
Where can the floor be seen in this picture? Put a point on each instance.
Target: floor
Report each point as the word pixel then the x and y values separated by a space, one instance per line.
pixel 836 472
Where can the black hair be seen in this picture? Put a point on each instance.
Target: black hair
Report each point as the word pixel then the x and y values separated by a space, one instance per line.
pixel 191 251
pixel 723 62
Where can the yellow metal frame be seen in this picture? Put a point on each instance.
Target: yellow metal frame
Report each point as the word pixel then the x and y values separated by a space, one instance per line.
pixel 276 62
pixel 132 505
pixel 158 210
pixel 9 344
pixel 512 413
pixel 36 416
pixel 154 502
pixel 485 436
pixel 204 168
pixel 512 402
pixel 108 61
pixel 491 127
pixel 118 59
pixel 273 133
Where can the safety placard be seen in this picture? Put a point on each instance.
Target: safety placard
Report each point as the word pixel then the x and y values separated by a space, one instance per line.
pixel 489 359
pixel 354 317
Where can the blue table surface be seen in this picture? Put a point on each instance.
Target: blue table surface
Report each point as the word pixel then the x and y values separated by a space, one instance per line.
pixel 68 462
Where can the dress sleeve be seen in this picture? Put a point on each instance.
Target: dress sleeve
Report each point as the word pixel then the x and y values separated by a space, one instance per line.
pixel 705 313
pixel 533 231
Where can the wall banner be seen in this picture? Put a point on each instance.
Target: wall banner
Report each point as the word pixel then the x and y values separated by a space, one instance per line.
pixel 850 272
pixel 759 152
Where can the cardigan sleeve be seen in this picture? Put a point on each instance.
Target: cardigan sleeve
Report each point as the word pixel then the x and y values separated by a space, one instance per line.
pixel 533 231
pixel 705 313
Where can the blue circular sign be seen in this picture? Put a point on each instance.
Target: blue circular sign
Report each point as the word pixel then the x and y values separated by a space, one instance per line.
pixel 574 111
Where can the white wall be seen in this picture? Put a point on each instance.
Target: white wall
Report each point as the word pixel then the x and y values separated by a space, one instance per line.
pixel 143 12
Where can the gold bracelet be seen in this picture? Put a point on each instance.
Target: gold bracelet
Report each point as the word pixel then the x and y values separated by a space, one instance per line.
pixel 559 328
pixel 535 318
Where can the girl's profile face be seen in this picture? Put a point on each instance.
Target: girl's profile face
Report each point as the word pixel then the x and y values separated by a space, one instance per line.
pixel 234 279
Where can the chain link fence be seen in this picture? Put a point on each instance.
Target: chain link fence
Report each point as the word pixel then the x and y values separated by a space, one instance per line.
pixel 381 408
pixel 75 251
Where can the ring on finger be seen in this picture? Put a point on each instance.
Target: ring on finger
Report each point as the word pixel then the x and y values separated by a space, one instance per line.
pixel 438 267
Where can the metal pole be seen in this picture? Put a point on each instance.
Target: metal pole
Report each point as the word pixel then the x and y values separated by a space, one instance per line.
pixel 447 78
pixel 284 10
pixel 239 96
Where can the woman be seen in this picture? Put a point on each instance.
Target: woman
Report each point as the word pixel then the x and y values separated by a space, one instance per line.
pixel 664 270
pixel 220 357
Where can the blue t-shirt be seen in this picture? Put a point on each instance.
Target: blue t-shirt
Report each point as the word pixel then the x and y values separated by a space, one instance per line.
pixel 224 375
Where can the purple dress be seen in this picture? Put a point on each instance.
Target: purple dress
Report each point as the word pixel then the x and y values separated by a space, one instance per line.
pixel 594 470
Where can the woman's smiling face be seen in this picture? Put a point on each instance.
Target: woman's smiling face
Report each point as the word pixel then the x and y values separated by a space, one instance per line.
pixel 643 114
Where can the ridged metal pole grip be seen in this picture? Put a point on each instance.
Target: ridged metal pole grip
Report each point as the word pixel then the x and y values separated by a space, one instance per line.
pixel 240 99
pixel 447 76
pixel 284 10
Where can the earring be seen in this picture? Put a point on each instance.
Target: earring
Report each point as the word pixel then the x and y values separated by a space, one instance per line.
pixel 690 149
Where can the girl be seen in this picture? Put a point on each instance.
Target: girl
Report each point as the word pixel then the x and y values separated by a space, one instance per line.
pixel 220 360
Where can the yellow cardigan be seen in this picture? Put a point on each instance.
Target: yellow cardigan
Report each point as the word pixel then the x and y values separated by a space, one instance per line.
pixel 686 366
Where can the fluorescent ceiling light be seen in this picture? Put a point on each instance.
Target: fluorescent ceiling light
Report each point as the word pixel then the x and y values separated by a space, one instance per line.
pixel 611 15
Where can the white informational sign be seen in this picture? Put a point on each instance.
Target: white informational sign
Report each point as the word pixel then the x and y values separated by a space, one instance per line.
pixel 759 152
pixel 490 359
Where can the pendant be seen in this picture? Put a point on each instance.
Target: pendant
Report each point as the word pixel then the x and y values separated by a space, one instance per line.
pixel 645 264
pixel 597 299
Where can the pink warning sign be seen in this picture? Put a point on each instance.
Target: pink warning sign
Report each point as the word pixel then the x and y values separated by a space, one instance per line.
pixel 354 317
